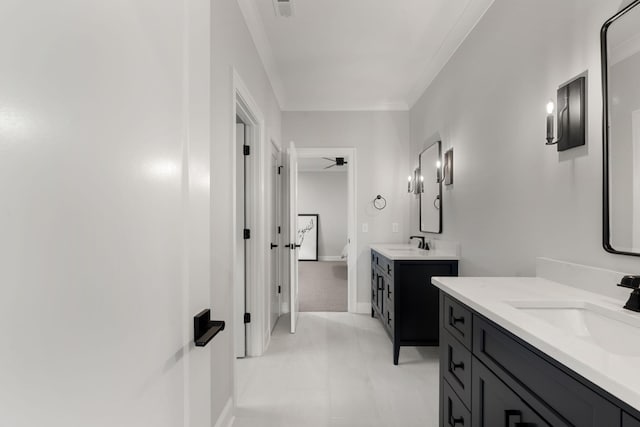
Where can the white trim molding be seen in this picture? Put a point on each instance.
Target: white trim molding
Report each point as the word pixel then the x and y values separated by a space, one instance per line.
pixel 331 258
pixel 226 417
pixel 363 308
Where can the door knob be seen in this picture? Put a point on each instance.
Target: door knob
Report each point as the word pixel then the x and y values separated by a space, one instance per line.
pixel 273 246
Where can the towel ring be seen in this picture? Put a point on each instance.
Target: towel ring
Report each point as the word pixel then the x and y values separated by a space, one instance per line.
pixel 379 202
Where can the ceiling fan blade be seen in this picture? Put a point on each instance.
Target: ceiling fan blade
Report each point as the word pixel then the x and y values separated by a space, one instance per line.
pixel 331 160
pixel 330 166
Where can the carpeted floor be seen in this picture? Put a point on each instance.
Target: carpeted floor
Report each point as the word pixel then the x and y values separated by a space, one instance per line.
pixel 322 285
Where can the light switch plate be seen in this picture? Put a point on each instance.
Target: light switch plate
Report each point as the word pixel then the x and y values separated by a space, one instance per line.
pixel 395 227
pixel 365 227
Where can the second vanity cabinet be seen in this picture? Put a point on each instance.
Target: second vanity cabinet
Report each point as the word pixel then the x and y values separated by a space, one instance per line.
pixel 491 378
pixel 404 299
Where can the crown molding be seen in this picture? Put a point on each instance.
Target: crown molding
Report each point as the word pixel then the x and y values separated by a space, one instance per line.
pixel 261 41
pixel 387 106
pixel 469 18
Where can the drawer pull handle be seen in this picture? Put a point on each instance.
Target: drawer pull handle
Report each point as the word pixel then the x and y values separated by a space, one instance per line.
pixel 452 420
pixel 388 291
pixel 455 421
pixel 388 269
pixel 456 320
pixel 515 415
pixel 455 366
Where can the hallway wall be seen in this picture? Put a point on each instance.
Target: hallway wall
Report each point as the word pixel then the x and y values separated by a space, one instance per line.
pixel 232 47
pixel 514 198
pixel 381 140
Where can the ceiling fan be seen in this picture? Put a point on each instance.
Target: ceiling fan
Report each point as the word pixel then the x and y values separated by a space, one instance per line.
pixel 338 161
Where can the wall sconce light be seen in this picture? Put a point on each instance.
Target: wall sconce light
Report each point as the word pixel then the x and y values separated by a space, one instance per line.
pixel 415 183
pixel 571 116
pixel 444 169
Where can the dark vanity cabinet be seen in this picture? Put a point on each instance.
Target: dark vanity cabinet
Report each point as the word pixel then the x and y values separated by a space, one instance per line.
pixel 491 378
pixel 405 301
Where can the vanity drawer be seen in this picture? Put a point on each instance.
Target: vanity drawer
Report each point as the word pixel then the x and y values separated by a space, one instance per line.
pixel 457 320
pixel 496 405
pixel 454 413
pixel 629 421
pixel 455 367
pixel 528 372
pixel 385 265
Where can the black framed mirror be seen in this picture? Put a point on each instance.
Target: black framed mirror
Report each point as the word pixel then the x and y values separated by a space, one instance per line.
pixel 620 47
pixel 430 184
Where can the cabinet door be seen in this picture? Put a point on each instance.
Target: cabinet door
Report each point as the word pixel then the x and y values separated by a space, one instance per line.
pixel 629 421
pixel 496 405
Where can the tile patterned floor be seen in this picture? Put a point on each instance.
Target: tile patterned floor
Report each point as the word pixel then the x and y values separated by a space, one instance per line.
pixel 337 371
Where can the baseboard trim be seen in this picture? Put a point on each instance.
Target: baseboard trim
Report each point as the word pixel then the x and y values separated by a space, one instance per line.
pixel 331 258
pixel 226 417
pixel 363 308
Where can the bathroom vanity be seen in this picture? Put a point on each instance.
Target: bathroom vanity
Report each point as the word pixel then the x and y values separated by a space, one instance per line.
pixel 402 295
pixel 532 352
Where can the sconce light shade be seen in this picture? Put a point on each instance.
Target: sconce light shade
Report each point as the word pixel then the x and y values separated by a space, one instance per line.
pixel 447 167
pixel 571 116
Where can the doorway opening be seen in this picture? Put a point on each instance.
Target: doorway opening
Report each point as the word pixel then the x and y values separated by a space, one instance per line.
pixel 323 234
pixel 326 274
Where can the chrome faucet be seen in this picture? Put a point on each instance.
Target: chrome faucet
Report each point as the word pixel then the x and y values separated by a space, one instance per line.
pixel 423 244
pixel 632 282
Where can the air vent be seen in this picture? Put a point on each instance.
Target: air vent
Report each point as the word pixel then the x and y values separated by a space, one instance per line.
pixel 283 8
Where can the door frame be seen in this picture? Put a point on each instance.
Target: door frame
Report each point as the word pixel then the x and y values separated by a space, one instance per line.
pixel 245 107
pixel 352 206
pixel 275 184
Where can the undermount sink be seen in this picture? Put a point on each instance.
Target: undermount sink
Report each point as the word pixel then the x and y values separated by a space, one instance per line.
pixel 613 331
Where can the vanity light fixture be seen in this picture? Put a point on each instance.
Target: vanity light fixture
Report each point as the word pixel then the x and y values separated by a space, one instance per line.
pixel 415 183
pixel 444 169
pixel 571 116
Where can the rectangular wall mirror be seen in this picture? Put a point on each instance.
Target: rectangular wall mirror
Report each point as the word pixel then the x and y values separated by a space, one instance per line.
pixel 620 39
pixel 431 186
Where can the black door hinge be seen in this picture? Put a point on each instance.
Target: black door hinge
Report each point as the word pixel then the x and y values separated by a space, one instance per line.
pixel 279 169
pixel 279 230
pixel 247 318
pixel 279 289
pixel 246 150
pixel 247 233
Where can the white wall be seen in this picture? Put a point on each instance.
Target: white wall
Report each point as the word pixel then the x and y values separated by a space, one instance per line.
pixel 325 193
pixel 232 47
pixel 381 140
pixel 104 176
pixel 514 198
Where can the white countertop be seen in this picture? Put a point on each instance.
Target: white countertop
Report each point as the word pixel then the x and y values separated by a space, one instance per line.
pixel 406 252
pixel 495 297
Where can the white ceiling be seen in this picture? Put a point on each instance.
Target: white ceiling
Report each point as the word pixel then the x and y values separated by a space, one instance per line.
pixel 314 164
pixel 358 54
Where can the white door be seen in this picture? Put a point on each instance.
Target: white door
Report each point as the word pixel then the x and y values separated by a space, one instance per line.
pixel 240 280
pixel 274 311
pixel 96 308
pixel 293 235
